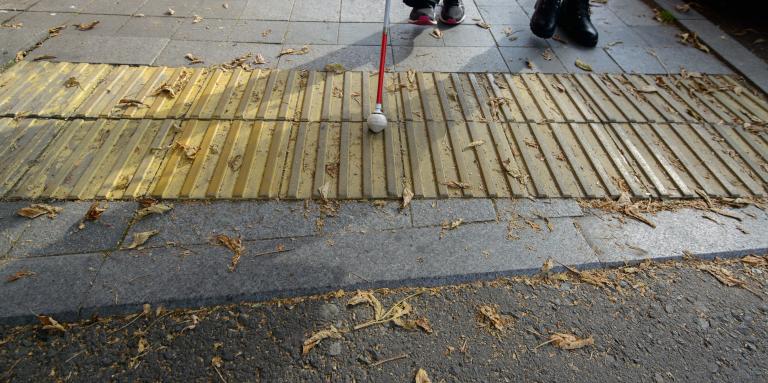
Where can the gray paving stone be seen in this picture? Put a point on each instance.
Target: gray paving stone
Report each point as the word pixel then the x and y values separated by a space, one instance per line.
pixel 181 8
pixel 413 35
pixel 11 225
pixel 58 287
pixel 600 61
pixel 17 4
pixel 150 26
pixel 603 13
pixel 372 11
pixel 436 212
pixel 466 59
pixel 7 15
pixel 259 31
pixel 316 10
pixel 15 40
pixel 364 217
pixel 675 232
pixel 60 6
pixel 518 35
pixel 108 24
pixel 539 208
pixel 351 57
pixel 61 235
pixel 268 9
pixel 467 36
pixel 43 20
pixel 670 5
pixel 509 14
pixel 635 60
pixel 215 9
pixel 517 58
pixel 113 7
pixel 205 30
pixel 633 12
pixel 691 59
pixel 360 34
pixel 313 265
pixel 312 33
pixel 102 49
pixel 658 36
pixel 213 52
pixel 197 222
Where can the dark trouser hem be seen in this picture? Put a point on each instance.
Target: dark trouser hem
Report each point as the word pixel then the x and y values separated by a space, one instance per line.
pixel 421 3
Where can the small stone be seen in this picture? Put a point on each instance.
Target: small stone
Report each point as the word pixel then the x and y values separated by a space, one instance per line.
pixel 750 347
pixel 713 368
pixel 565 286
pixel 328 311
pixel 624 284
pixel 669 309
pixel 658 378
pixel 227 355
pixel 703 323
pixel 334 349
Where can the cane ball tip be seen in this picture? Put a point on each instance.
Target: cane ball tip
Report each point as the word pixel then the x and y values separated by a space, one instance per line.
pixel 377 122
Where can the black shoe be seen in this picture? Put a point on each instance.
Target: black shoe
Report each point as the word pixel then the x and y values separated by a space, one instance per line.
pixel 452 12
pixel 423 16
pixel 575 21
pixel 544 19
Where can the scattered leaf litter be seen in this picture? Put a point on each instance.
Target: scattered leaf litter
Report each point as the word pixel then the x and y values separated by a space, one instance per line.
pixel 19 275
pixel 421 377
pixel 488 316
pixel 155 208
pixel 37 209
pixel 290 51
pixel 235 245
pixel 567 341
pixel 314 340
pixel 139 239
pixel 87 26
pixel 50 324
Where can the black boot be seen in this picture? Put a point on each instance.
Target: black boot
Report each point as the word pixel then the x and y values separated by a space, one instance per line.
pixel 544 19
pixel 574 19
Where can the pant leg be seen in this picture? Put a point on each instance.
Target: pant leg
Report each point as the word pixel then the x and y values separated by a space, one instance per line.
pixel 421 3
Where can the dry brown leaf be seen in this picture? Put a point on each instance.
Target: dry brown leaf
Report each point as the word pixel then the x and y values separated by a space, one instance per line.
pixel 324 191
pixel 217 362
pixel 20 56
pixel 71 83
pixel 143 345
pixel 422 377
pixel 723 275
pixel 583 65
pixel 437 33
pixel 290 51
pixel 141 238
pixel 489 315
pixel 87 26
pixel 394 314
pixel 12 25
pixel 755 261
pixel 548 54
pixel 473 144
pixel 171 89
pixel 569 341
pixel 19 275
pixel 55 31
pixel 266 32
pixel 196 19
pixel 457 184
pixel 368 298
pixel 193 59
pixel 170 12
pixel 483 25
pixel 235 245
pixel 407 197
pixel 683 8
pixel 37 209
pixel 193 325
pixel 189 151
pixel 129 102
pixel 50 324
pixel 157 208
pixel 529 64
pixel 313 340
pixel 95 211
pixel 547 266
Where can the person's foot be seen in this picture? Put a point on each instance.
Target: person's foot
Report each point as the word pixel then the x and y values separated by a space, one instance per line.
pixel 422 16
pixel 575 21
pixel 544 19
pixel 452 12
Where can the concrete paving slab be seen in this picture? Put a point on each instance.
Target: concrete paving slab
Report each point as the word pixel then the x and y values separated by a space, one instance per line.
pixel 61 235
pixel 57 288
pixel 214 52
pixel 675 232
pixel 215 9
pixel 351 57
pixel 198 222
pixel 181 8
pixel 114 7
pixel 11 225
pixel 43 20
pixel 518 35
pixel 14 5
pixel 372 11
pixel 413 35
pixel 360 34
pixel 7 15
pixel 633 12
pixel 671 6
pixel 258 31
pixel 205 30
pixel 467 36
pixel 518 59
pixel 600 61
pixel 74 6
pixel 657 36
pixel 149 26
pixel 16 40
pixel 437 212
pixel 102 49
pixel 268 10
pixel 692 60
pixel 316 10
pixel 313 265
pixel 365 217
pixel 312 33
pixel 636 60
pixel 508 14
pixel 539 208
pixel 108 25
pixel 467 59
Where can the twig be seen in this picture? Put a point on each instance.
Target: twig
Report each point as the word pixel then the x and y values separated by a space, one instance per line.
pixel 73 356
pixel 385 317
pixel 653 53
pixel 128 324
pixel 219 372
pixel 359 277
pixel 270 252
pixel 380 362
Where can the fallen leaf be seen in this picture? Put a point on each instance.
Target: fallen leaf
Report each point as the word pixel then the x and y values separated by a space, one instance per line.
pixel 50 323
pixel 437 33
pixel 259 59
pixel 754 261
pixel 547 266
pixel 19 274
pixel 483 25
pixel 548 54
pixel 583 66
pixel 129 102
pixel 368 298
pixel 193 59
pixel 95 211
pixel 723 275
pixel 457 185
pixel 422 377
pixel 313 340
pixel 55 31
pixel 407 197
pixel 290 51
pixel 20 56
pixel 171 89
pixel 567 341
pixel 87 26
pixel 157 208
pixel 196 19
pixel 473 144
pixel 12 25
pixel 489 315
pixel 193 325
pixel 335 68
pixel 217 362
pixel 683 8
pixel 395 313
pixel 529 64
pixel 71 83
pixel 143 345
pixel 37 209
pixel 266 33
pixel 235 245
pixel 189 151
pixel 141 238
pixel 324 190
pixel 170 12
